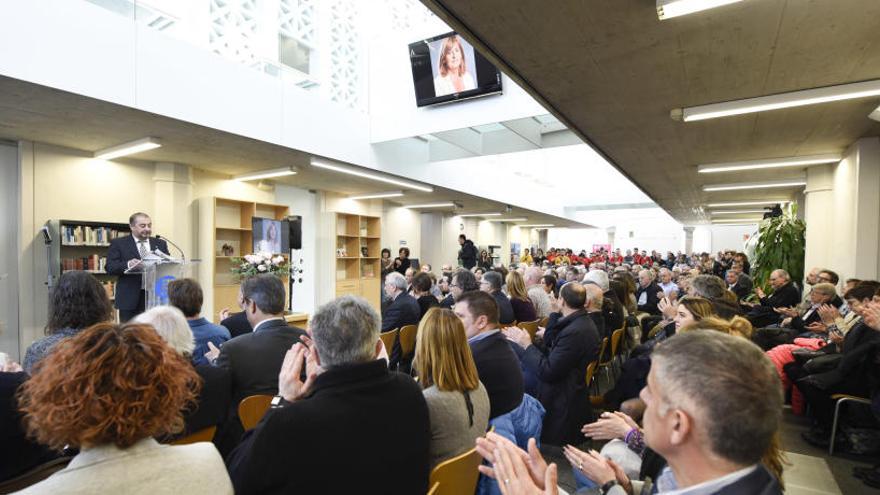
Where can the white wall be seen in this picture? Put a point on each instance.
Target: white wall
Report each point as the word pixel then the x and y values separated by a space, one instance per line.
pixel 726 237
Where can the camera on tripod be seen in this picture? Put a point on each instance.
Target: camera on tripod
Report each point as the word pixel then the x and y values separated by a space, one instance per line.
pixel 773 211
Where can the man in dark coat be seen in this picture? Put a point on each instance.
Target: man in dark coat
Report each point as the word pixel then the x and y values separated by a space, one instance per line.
pixel 491 284
pixel 403 310
pixel 570 343
pixel 126 252
pixel 349 405
pixel 785 295
pixel 467 256
pixel 647 293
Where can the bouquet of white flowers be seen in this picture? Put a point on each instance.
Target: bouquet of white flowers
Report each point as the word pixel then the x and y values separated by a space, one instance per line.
pixel 259 263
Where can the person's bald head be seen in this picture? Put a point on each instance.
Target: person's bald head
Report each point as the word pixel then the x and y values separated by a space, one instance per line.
pixel 594 297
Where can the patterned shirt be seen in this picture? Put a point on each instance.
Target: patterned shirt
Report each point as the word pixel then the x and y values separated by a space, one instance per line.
pixel 41 348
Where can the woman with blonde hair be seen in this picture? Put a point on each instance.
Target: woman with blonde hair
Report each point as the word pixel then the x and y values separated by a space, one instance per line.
pixel 452 71
pixel 523 308
pixel 458 404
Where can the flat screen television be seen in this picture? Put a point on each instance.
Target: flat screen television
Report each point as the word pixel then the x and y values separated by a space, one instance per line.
pixel 446 68
pixel 270 235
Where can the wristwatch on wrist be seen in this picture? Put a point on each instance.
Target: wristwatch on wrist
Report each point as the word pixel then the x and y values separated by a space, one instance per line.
pixel 278 402
pixel 608 486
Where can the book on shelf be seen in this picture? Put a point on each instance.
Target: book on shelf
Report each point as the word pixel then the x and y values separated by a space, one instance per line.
pixel 93 263
pixel 83 235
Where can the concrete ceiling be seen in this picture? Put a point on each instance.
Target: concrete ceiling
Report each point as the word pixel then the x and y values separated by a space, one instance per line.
pixel 612 72
pixel 38 113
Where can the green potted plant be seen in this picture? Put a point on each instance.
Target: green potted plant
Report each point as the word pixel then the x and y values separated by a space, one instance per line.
pixel 781 243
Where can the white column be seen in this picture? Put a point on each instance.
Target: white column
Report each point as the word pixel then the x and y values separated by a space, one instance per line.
pixel 611 231
pixel 688 240
pixel 172 216
pixel 819 216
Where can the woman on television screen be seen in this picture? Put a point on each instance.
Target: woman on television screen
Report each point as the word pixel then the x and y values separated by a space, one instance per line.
pixel 452 67
pixel 271 241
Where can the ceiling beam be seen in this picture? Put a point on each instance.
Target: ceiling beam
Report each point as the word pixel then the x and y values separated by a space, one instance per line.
pixel 526 128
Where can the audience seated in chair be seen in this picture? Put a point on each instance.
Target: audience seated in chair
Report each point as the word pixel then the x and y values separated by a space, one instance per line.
pixel 402 311
pixel 523 309
pixel 785 295
pixel 491 284
pixel 536 292
pixel 76 303
pixel 109 391
pixel 458 404
pixel 214 397
pixel 349 400
pixel 570 343
pixel 422 292
pixel 797 323
pixel 186 295
pixel 648 293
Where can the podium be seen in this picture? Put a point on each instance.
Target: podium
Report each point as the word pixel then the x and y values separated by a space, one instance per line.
pixel 157 272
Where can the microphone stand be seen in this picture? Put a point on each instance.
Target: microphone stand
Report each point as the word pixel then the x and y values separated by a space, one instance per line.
pixel 169 241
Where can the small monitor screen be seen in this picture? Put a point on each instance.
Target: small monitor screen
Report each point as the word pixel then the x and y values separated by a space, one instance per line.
pixel 447 68
pixel 270 235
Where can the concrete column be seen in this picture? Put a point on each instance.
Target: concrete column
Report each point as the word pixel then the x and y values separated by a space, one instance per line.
pixel 842 213
pixel 688 240
pixel 432 240
pixel 172 216
pixel 611 231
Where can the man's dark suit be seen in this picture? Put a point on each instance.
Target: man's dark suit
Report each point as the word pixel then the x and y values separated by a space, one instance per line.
pixel 499 371
pixel 758 482
pixel 403 310
pixel 254 359
pixel 560 364
pixel 237 324
pixel 743 287
pixel 651 299
pixel 763 315
pixel 212 404
pixel 377 417
pixel 130 297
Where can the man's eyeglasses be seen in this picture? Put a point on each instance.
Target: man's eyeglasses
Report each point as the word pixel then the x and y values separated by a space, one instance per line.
pixel 454 285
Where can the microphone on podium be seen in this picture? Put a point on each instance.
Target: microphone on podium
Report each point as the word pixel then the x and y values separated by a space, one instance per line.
pixel 169 241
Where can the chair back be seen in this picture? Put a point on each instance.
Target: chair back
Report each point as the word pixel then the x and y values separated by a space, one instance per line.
pixel 602 352
pixel 35 475
pixel 203 435
pixel 388 339
pixel 543 321
pixel 591 371
pixel 530 326
pixel 616 338
pixel 435 489
pixel 408 340
pixel 458 475
pixel 252 409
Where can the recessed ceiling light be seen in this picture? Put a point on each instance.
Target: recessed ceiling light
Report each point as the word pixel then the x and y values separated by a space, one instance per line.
pixel 345 169
pixel 467 215
pixel 667 9
pixel 782 100
pixel 507 219
pixel 129 148
pixel 266 174
pixel 747 203
pixel 444 204
pixel 389 194
pixel 769 163
pixel 755 185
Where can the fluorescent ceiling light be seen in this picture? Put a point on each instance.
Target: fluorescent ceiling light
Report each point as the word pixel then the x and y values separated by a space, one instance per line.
pixel 748 203
pixel 755 185
pixel 130 148
pixel 507 220
pixel 466 215
pixel 782 100
pixel 368 175
pixel 667 9
pixel 444 204
pixel 769 163
pixel 389 194
pixel 266 174
pixel 538 226
pixel 875 115
pixel 739 221
pixel 735 212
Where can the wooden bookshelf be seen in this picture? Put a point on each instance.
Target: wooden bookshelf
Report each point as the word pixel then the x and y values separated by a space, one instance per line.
pixel 232 226
pixel 83 246
pixel 358 247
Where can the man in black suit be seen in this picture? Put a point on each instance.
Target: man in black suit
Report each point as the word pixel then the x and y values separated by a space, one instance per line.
pixel 126 252
pixel 254 359
pixel 491 284
pixel 648 293
pixel 785 295
pixel 350 419
pixel 403 310
pixel 497 364
pixel 570 343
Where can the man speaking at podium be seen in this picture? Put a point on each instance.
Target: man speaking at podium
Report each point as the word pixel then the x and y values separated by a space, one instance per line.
pixel 126 252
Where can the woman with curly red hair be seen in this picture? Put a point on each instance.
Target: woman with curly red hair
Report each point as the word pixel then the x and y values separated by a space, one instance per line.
pixel 108 391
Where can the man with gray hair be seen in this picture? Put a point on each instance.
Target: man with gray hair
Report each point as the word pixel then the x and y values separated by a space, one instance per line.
pixel 536 291
pixel 785 295
pixel 714 403
pixel 403 310
pixel 348 398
